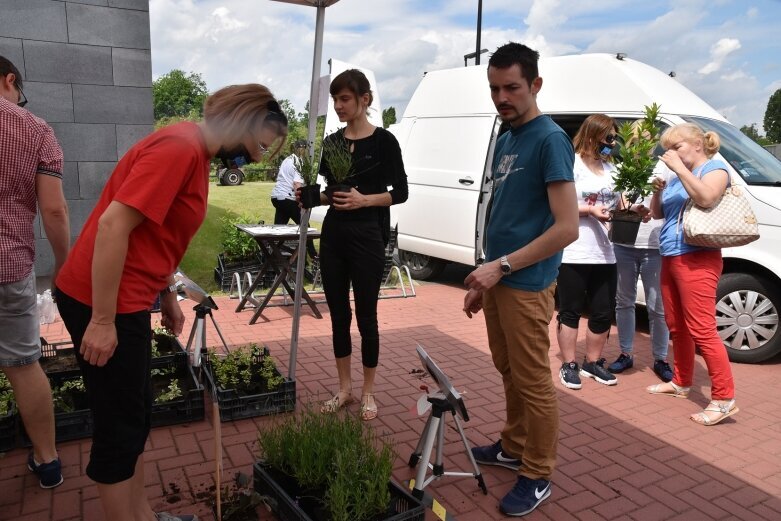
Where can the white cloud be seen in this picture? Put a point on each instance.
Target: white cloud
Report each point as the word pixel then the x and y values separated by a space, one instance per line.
pixel 719 52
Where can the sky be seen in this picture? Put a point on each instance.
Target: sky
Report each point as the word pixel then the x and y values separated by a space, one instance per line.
pixel 728 52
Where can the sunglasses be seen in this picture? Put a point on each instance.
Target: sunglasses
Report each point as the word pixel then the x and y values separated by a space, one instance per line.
pixel 610 138
pixel 22 98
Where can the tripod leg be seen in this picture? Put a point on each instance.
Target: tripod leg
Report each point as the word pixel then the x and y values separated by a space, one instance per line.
pixel 415 456
pixel 225 344
pixel 420 477
pixel 439 467
pixel 198 340
pixel 477 474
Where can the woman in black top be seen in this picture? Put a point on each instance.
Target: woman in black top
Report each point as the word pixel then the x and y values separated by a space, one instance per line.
pixel 355 232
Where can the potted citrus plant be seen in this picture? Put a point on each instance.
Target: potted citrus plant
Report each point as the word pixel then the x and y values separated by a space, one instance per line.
pixel 636 144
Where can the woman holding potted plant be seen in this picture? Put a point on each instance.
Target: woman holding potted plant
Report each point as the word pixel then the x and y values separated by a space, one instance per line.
pixel 359 163
pixel 283 195
pixel 129 248
pixel 588 271
pixel 690 274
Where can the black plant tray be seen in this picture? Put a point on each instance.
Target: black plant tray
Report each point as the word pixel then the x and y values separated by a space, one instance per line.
pixel 275 485
pixel 58 359
pixel 8 429
pixel 234 405
pixel 71 425
pixel 223 273
pixel 189 408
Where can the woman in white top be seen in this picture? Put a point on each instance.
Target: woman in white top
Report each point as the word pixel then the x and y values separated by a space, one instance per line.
pixel 587 275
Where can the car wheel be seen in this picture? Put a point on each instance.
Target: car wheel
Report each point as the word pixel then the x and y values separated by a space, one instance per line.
pixel 421 267
pixel 232 177
pixel 747 308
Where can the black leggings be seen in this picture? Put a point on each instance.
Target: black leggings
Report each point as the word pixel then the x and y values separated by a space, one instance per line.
pixel 287 209
pixel 594 284
pixel 353 251
pixel 119 393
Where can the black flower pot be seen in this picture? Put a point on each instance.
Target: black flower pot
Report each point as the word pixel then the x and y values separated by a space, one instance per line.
pixel 310 196
pixel 331 189
pixel 624 227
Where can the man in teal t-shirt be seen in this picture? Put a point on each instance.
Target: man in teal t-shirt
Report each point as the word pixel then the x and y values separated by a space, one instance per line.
pixel 534 215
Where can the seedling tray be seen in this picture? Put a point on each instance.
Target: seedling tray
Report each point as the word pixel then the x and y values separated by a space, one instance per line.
pixel 8 429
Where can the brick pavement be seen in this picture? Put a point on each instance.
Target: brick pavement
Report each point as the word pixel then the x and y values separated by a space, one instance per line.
pixel 623 454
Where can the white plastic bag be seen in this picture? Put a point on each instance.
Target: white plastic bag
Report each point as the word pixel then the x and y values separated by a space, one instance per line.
pixel 46 308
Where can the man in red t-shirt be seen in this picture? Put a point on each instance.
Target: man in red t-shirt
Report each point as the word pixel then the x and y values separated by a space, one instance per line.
pixel 30 179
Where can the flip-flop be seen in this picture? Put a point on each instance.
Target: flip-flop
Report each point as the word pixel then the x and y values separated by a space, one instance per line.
pixel 368 412
pixel 340 399
pixel 669 389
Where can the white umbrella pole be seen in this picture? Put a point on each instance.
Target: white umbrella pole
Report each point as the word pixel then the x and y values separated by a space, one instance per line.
pixel 313 96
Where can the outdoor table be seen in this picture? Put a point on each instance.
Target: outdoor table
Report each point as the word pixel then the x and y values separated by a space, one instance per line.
pixel 271 240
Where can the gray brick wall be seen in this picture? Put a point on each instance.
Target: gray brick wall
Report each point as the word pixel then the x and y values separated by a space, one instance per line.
pixel 88 72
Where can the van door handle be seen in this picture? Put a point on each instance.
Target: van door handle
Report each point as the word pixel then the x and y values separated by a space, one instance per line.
pixel 466 181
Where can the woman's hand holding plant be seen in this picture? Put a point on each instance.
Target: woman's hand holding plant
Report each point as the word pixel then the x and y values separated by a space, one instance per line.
pixel 351 200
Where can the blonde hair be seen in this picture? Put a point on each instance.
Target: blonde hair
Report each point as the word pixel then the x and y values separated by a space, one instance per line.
pixel 591 132
pixel 236 110
pixel 693 134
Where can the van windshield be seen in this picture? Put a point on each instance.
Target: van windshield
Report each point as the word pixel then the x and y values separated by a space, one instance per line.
pixel 755 165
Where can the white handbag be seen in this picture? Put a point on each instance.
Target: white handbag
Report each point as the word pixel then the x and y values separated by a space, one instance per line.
pixel 728 223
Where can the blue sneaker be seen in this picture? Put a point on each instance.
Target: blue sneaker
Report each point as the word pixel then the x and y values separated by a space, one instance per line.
pixel 663 370
pixel 493 455
pixel 622 363
pixel 49 474
pixel 525 496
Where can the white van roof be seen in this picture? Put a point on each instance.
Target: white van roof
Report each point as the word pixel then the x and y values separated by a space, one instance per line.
pixel 584 83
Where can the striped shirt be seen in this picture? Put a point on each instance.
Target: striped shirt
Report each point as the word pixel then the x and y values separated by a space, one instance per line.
pixel 27 148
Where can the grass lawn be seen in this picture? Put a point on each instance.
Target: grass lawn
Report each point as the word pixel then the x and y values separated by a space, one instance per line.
pixel 253 199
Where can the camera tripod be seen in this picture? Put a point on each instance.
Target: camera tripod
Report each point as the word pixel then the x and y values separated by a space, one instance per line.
pixel 435 431
pixel 197 340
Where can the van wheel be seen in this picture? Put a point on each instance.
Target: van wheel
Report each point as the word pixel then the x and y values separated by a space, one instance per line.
pixel 422 267
pixel 232 177
pixel 747 308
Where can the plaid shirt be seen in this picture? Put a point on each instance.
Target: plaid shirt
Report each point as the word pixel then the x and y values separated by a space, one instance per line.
pixel 27 148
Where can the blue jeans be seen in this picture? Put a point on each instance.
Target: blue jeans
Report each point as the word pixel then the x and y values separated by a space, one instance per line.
pixel 645 263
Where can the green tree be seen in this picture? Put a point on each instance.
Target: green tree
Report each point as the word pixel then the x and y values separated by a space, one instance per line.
pixel 752 132
pixel 388 117
pixel 179 95
pixel 772 120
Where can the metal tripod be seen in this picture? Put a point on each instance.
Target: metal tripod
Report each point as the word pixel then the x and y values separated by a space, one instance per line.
pixel 435 430
pixel 197 340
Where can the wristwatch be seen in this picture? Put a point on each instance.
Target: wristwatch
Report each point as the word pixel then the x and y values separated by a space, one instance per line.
pixel 505 264
pixel 169 289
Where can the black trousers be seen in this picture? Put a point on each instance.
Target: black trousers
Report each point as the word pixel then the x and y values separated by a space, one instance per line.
pixel 353 252
pixel 595 284
pixel 119 393
pixel 287 210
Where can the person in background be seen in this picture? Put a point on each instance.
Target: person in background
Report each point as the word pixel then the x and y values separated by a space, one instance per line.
pixel 356 230
pixel 533 216
pixel 690 274
pixel 128 250
pixel 283 195
pixel 31 166
pixel 587 275
pixel 642 260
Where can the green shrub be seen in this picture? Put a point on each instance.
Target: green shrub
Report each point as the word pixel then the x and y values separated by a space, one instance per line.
pixel 6 395
pixel 244 366
pixel 636 144
pixel 336 453
pixel 259 172
pixel 237 245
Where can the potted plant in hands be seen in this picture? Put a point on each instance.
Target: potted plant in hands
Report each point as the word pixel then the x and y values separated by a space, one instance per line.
pixel 636 144
pixel 336 153
pixel 310 192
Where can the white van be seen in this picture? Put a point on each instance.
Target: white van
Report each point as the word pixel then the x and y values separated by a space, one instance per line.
pixel 447 136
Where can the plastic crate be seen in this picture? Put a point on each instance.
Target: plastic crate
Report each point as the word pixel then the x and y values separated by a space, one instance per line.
pixel 189 408
pixel 234 405
pixel 403 507
pixel 171 351
pixel 71 425
pixel 8 429
pixel 223 273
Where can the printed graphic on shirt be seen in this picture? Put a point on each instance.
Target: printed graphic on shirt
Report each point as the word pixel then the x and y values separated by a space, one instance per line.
pixel 604 197
pixel 505 167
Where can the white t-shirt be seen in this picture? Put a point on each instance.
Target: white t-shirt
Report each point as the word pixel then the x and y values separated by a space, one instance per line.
pixel 288 174
pixel 593 245
pixel 648 234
